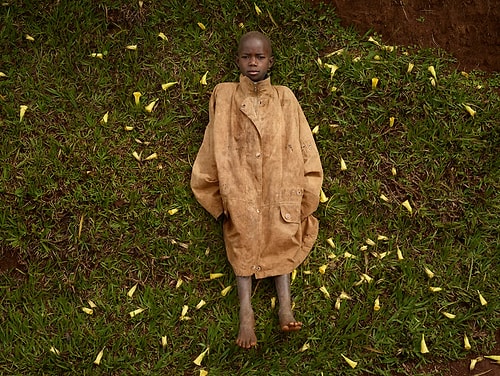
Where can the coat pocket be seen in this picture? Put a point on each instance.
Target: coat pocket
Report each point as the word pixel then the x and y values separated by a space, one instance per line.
pixel 290 213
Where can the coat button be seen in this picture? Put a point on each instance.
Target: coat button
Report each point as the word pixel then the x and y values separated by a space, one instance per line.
pixel 287 216
pixel 257 155
pixel 258 211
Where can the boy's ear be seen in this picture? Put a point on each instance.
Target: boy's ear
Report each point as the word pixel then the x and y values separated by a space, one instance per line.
pixel 271 61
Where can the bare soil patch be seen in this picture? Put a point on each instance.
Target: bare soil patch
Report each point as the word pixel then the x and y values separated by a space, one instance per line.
pixel 467 29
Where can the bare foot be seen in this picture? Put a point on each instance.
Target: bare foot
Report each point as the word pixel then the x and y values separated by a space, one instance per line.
pixel 246 335
pixel 288 322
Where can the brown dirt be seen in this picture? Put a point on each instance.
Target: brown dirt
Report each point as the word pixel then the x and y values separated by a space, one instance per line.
pixel 467 29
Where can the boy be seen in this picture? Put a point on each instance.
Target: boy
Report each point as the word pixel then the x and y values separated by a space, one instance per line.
pixel 259 166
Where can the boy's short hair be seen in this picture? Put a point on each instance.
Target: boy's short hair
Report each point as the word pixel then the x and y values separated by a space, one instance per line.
pixel 258 35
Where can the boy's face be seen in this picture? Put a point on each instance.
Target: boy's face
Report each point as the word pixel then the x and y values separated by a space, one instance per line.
pixel 254 58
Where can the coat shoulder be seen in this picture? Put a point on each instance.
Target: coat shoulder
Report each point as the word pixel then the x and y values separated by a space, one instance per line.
pixel 225 88
pixel 284 91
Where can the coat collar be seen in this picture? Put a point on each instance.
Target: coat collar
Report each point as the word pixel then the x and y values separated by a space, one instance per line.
pixel 251 87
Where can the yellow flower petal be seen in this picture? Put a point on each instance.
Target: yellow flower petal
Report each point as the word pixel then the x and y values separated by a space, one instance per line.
pixel 184 311
pixel 384 198
pixel 305 347
pixel 97 360
pixel 410 67
pixel 2 74
pixel 257 10
pixel 349 255
pixel 423 346
pixel 391 121
pixel 173 211
pixel 322 269
pixel 54 350
pixel 351 363
pixel 330 242
pixel 104 119
pixel 22 111
pixel 294 274
pixel 203 79
pixel 91 304
pixel 343 166
pixel 376 304
pixel 201 26
pixel 131 47
pixel 150 106
pixel 433 72
pixel 400 254
pixel 322 196
pixel 137 95
pixel 136 312
pixel 325 292
pixel 30 38
pixel 200 304
pixel 374 83
pixel 226 290
pixel 474 361
pixel 164 341
pixel 433 81
pixel 88 311
pixel 393 171
pixel 151 157
pixel 435 289
pixel 467 345
pixel 162 36
pixel 373 41
pixel 481 299
pixel 128 128
pixel 200 357
pixel 363 248
pixel 98 55
pixel 216 275
pixel 337 304
pixel 407 205
pixel 168 85
pixel 337 52
pixel 344 295
pixel 131 292
pixel 383 254
pixel 449 315
pixel 366 277
pixel 493 357
pixel 470 110
pixel 315 130
pixel 370 242
pixel 429 273
pixel 203 372
pixel 179 283
pixel 136 156
pixel 273 302
pixel 382 238
pixel 333 68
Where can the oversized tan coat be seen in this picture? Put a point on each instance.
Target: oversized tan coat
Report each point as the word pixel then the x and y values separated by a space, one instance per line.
pixel 258 164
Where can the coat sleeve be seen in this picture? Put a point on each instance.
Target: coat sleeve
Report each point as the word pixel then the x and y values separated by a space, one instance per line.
pixel 204 177
pixel 313 172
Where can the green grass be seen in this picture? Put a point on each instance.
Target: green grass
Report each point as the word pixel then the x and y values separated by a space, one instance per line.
pixel 89 221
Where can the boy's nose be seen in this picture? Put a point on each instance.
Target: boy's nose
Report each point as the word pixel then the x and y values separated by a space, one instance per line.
pixel 253 61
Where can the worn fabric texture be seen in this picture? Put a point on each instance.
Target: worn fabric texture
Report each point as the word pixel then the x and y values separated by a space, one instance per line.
pixel 259 166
